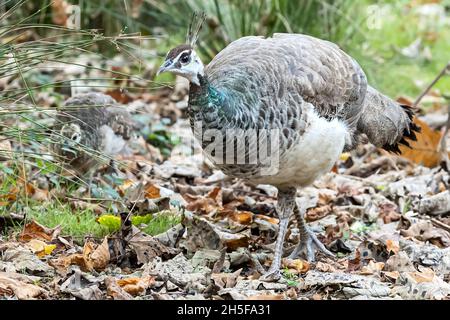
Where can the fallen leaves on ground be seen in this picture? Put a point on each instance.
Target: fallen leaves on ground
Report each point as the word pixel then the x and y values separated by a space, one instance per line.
pixel 35 231
pixel 93 257
pixel 426 150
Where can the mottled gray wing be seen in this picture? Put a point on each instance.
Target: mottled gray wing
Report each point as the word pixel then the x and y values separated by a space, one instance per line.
pixel 290 64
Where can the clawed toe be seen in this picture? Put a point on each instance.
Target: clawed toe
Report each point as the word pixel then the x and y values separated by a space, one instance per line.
pixel 307 247
pixel 272 275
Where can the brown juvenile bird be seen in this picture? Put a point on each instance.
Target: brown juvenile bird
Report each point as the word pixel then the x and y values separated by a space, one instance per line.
pixel 91 127
pixel 306 93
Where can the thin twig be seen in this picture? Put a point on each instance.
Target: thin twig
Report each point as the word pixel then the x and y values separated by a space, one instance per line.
pixel 440 224
pixel 443 144
pixel 439 76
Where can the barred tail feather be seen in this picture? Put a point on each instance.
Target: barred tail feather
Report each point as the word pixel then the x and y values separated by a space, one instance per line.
pixel 386 123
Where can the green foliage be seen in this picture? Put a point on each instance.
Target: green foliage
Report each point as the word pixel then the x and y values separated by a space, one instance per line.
pixel 291 278
pixel 160 137
pixel 82 223
pixel 78 224
pixel 373 32
pixel 161 222
pixel 112 222
pixel 229 20
pixel 151 223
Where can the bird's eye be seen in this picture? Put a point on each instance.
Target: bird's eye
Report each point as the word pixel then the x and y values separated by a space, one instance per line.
pixel 184 58
pixel 75 137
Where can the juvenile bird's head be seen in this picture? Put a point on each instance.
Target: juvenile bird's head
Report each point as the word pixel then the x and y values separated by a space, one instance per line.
pixel 71 138
pixel 183 61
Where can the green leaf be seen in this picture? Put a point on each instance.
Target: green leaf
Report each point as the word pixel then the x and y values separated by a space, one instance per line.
pixel 109 221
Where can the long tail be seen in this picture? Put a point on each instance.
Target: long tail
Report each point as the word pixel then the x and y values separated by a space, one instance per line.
pixel 386 123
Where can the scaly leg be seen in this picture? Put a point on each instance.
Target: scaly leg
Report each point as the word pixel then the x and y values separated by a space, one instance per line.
pixel 308 240
pixel 286 204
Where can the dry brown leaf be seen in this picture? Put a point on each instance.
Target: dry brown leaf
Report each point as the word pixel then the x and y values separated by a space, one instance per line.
pixel 233 241
pixel 372 268
pixel 147 247
pixel 40 248
pixel 392 274
pixel 36 193
pixel 92 258
pixel 119 95
pixel 212 202
pixel 425 231
pixel 14 286
pixel 152 192
pixel 388 212
pixel 317 213
pixel 324 267
pixel 100 256
pixel 241 217
pixel 425 150
pixel 11 196
pixel 115 291
pixel 226 280
pixel 134 285
pixel 426 275
pixel 34 230
pixel 392 246
pixel 317 296
pixel 298 265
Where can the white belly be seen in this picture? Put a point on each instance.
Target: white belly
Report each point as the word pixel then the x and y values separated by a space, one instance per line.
pixel 313 155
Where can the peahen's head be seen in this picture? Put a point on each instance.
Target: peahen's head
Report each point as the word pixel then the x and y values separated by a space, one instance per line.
pixel 183 61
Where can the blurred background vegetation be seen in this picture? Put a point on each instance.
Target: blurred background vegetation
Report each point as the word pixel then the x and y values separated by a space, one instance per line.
pixel 400 44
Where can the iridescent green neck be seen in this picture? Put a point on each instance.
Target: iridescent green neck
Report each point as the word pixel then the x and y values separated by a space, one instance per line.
pixel 204 94
pixel 206 99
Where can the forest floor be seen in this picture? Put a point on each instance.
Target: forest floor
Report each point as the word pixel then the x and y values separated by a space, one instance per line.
pixel 196 234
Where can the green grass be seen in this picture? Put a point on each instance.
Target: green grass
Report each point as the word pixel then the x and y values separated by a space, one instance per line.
pixel 161 222
pixel 387 69
pixel 77 224
pixel 81 223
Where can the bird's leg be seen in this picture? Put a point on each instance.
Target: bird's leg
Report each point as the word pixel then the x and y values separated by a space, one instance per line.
pixel 308 240
pixel 285 206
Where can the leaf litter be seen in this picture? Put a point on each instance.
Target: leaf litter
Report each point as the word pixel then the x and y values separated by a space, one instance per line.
pixel 386 218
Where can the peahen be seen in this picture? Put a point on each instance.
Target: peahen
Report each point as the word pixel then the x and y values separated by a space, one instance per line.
pixel 307 93
pixel 89 127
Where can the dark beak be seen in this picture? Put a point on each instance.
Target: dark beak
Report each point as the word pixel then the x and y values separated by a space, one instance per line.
pixel 165 66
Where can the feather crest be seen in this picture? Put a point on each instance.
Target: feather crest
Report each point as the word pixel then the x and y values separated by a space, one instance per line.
pixel 195 26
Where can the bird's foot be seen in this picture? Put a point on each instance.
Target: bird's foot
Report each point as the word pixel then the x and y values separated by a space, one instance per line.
pixel 272 275
pixel 308 246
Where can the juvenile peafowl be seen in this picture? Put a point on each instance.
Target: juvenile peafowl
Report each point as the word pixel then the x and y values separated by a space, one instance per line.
pixel 308 91
pixel 88 128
